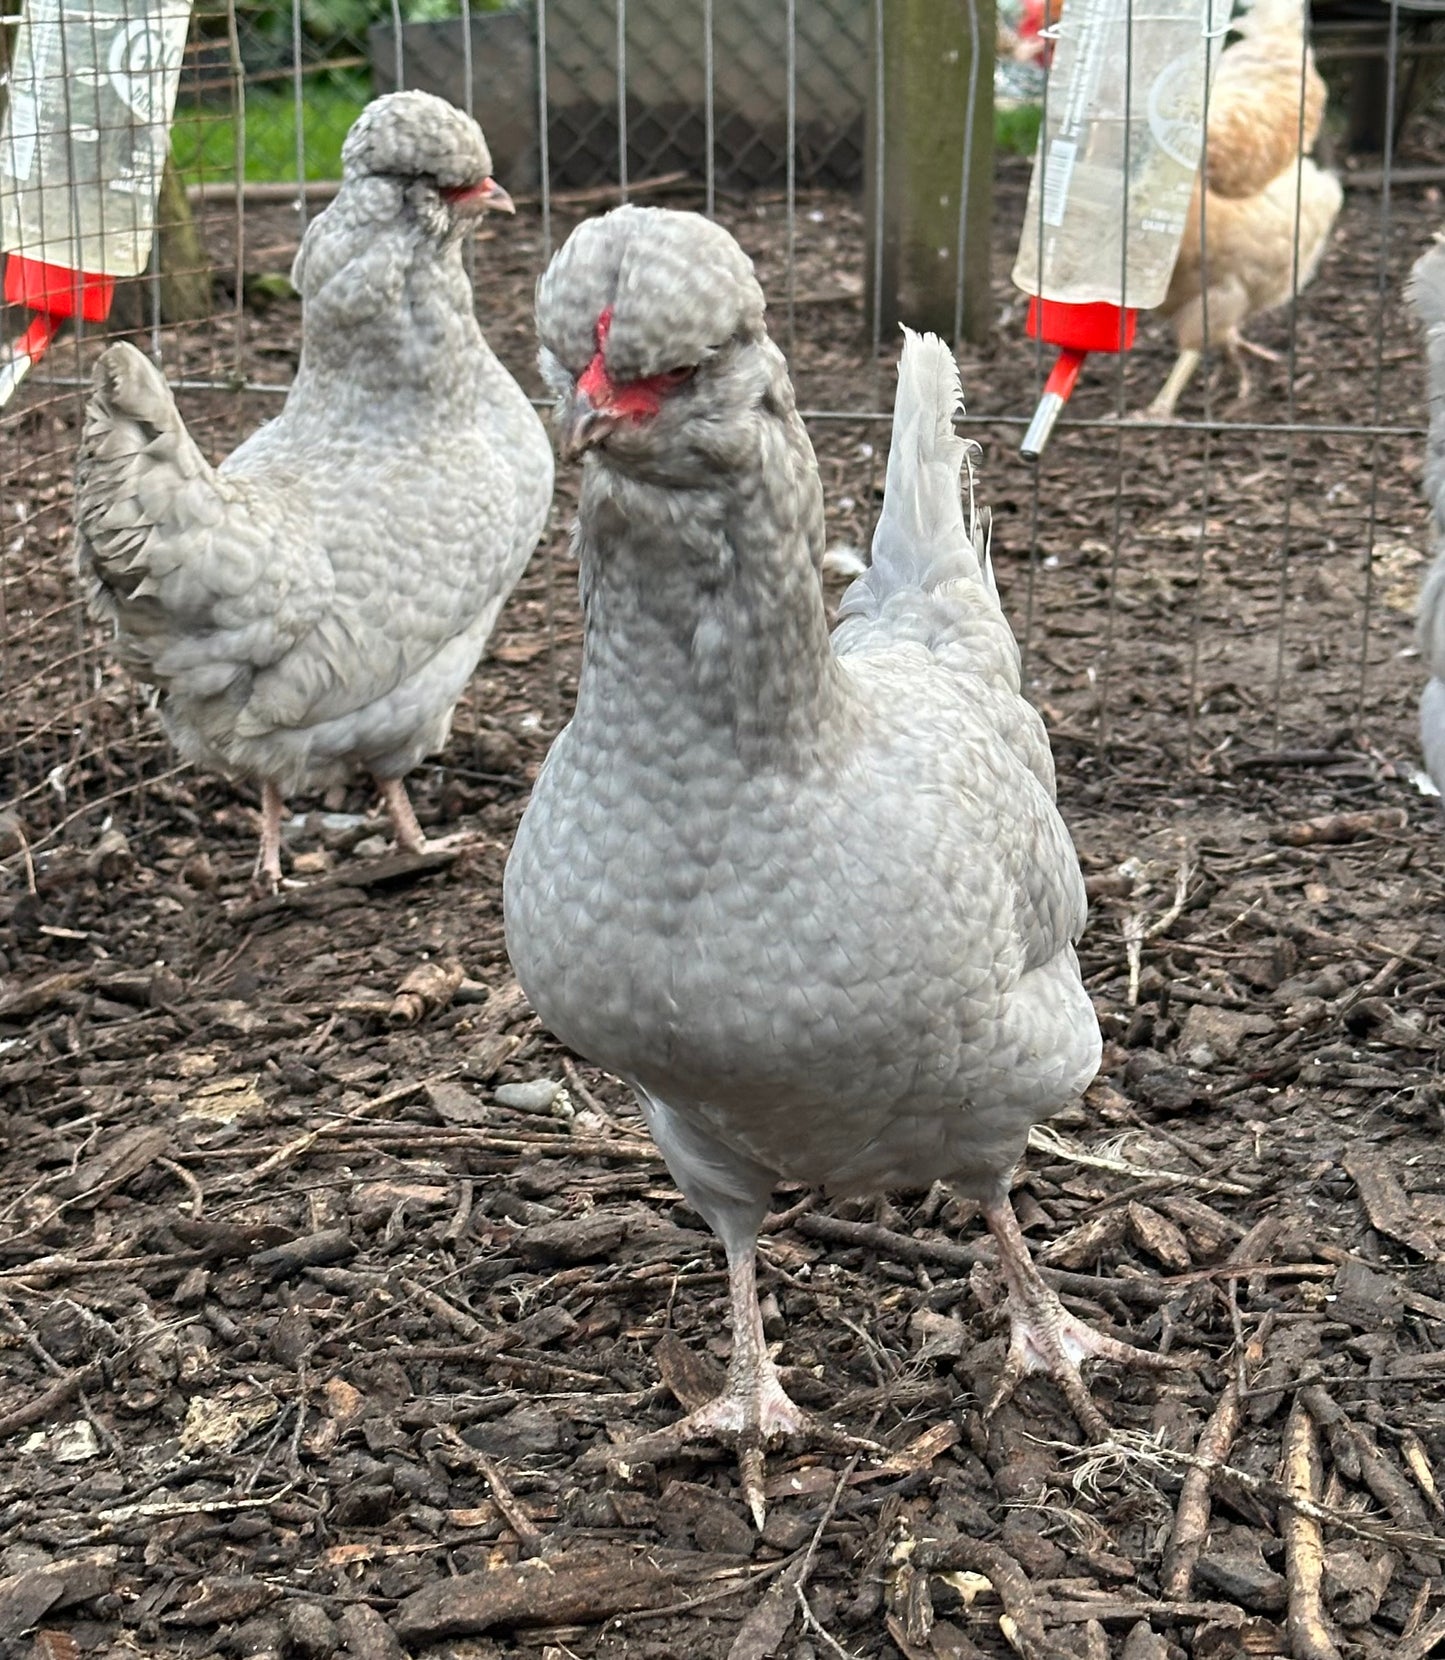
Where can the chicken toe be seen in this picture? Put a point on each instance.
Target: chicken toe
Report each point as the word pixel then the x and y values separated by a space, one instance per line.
pixel 1045 1337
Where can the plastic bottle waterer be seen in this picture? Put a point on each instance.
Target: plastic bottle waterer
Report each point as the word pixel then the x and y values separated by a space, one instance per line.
pixel 1113 176
pixel 83 149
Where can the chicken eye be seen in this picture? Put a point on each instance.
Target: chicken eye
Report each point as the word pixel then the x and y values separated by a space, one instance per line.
pixel 670 378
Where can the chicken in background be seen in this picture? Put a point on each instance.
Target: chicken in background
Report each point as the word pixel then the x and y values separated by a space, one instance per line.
pixel 1426 291
pixel 811 898
pixel 317 603
pixel 1266 106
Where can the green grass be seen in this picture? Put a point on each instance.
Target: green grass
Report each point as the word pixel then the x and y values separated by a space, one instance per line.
pixel 203 141
pixel 1016 131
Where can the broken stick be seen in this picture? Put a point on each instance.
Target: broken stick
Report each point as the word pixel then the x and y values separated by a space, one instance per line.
pixel 1304 1557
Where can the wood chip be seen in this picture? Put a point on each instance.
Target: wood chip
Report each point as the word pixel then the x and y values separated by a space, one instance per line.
pixel 42 994
pixel 1386 1203
pixel 1084 1245
pixel 223 1598
pixel 570 1586
pixel 426 990
pixel 1158 1236
pixel 27 1596
pixel 1334 828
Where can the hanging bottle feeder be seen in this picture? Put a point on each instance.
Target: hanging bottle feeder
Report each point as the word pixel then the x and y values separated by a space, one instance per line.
pixel 83 149
pixel 1113 176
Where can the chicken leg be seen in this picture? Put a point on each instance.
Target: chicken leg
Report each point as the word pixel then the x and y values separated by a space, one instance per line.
pixel 1162 408
pixel 1045 1337
pixel 410 837
pixel 268 856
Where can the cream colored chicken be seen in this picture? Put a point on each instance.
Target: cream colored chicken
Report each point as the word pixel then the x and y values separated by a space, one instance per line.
pixel 1238 258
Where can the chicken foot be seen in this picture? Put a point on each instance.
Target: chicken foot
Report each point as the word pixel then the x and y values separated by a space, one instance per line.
pixel 1045 1337
pixel 753 1409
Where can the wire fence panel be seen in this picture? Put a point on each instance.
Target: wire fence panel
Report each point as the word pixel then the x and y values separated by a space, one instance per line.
pixel 1234 581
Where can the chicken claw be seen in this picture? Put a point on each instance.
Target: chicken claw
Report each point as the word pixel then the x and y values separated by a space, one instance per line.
pixel 1045 1337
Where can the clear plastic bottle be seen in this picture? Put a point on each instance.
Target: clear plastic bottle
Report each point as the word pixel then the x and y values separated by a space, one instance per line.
pixel 86 131
pixel 1126 90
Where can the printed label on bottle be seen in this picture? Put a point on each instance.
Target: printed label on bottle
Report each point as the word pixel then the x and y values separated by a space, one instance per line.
pixel 17 149
pixel 1063 153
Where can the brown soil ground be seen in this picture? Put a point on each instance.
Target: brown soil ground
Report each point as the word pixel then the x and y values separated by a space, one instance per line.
pixel 305 1314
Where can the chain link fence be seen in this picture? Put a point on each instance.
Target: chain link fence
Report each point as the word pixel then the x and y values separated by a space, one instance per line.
pixel 760 106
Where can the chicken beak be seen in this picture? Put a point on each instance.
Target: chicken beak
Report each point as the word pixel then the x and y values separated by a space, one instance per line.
pixel 494 197
pixel 472 199
pixel 584 425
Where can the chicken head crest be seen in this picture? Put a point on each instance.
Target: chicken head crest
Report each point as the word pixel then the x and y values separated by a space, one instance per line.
pixel 636 307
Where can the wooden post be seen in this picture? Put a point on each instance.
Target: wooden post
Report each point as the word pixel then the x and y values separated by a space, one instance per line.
pixel 185 267
pixel 928 47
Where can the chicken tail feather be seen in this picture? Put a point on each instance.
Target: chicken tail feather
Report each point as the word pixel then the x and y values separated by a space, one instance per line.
pixel 922 539
pixel 136 460
pixel 931 578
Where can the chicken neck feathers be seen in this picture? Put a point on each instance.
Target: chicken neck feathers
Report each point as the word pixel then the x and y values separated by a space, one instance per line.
pixel 1266 103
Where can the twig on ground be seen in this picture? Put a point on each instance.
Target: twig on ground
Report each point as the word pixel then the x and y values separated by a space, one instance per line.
pixel 1129 1449
pixel 1021 1621
pixel 188 1181
pixel 1043 1139
pixel 529 1537
pixel 1191 1518
pixel 1304 1558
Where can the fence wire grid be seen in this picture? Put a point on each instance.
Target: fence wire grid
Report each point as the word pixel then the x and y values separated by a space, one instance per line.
pixel 1233 583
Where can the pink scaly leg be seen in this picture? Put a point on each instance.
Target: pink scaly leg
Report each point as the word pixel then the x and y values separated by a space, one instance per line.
pixel 268 856
pixel 410 837
pixel 409 834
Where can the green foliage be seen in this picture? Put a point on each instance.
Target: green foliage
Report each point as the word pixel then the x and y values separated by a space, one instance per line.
pixel 203 140
pixel 1016 130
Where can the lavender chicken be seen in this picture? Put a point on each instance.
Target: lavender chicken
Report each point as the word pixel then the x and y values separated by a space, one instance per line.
pixel 1427 297
pixel 317 603
pixel 811 898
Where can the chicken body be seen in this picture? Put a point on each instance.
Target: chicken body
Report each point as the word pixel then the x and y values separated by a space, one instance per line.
pixel 1427 295
pixel 1265 110
pixel 810 897
pixel 317 603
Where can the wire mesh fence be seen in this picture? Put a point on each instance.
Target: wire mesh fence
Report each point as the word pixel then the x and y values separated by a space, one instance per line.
pixel 1229 583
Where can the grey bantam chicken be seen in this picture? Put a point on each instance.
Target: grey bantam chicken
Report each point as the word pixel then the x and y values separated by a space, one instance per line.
pixel 317 603
pixel 1427 296
pixel 812 899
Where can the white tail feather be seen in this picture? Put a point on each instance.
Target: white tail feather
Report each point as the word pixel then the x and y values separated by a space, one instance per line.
pixel 923 538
